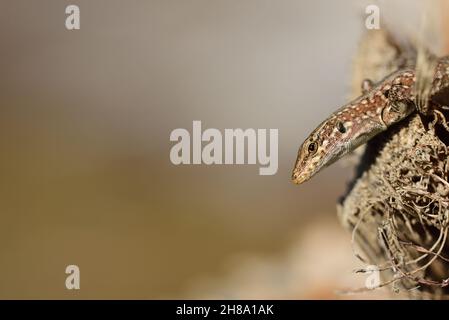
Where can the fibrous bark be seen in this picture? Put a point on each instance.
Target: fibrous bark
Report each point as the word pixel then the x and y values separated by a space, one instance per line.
pixel 397 207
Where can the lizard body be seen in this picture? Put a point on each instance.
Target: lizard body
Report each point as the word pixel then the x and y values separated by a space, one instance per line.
pixel 379 107
pixel 439 91
pixel 355 123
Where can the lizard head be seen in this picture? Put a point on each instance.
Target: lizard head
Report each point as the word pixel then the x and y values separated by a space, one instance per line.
pixel 323 147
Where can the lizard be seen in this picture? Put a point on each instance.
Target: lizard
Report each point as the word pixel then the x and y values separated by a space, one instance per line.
pixel 378 108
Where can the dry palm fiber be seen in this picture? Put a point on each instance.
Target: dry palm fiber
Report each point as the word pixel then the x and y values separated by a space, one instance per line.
pixel 398 206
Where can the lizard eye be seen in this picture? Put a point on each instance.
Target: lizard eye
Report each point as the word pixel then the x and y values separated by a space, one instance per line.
pixel 312 148
pixel 341 127
pixel 387 93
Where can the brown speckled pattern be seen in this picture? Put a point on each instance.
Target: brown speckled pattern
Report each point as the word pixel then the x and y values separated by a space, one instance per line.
pixel 441 79
pixel 362 118
pixel 390 101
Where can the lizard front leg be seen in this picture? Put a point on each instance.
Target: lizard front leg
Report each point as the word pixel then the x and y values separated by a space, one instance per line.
pixel 367 85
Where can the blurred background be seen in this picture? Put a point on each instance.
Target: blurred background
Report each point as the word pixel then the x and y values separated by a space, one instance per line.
pixel 85 120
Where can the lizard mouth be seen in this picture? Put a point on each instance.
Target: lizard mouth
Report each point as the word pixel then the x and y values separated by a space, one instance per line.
pixel 299 177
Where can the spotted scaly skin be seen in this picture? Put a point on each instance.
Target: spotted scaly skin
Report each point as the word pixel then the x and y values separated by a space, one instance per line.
pixel 440 86
pixel 355 123
pixel 381 106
